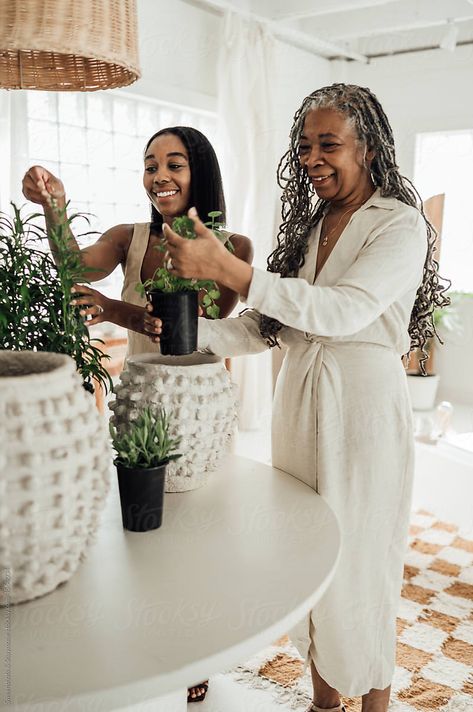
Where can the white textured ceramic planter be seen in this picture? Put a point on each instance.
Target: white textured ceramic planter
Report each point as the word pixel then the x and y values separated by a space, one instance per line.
pixel 55 465
pixel 200 399
pixel 423 390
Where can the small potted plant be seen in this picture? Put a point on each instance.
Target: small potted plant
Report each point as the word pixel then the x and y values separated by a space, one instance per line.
pixel 175 300
pixel 142 454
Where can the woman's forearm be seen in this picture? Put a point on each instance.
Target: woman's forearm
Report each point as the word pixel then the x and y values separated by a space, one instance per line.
pixel 127 315
pixel 235 274
pixel 232 337
pixel 54 217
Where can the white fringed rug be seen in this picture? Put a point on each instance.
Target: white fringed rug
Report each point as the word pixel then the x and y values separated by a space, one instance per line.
pixel 434 665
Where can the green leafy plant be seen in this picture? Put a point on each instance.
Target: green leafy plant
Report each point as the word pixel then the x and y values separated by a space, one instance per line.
pixel 168 283
pixel 146 443
pixel 35 294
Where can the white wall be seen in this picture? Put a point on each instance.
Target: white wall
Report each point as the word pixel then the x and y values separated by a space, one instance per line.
pixel 454 360
pixel 422 91
pixel 297 73
pixel 178 47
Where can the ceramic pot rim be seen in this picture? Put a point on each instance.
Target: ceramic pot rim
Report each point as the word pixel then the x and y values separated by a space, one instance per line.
pixel 38 368
pixel 196 360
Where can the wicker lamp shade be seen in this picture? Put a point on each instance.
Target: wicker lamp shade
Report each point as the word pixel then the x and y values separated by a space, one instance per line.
pixel 68 45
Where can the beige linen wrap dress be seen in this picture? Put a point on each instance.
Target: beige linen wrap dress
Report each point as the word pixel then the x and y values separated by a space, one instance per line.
pixel 342 422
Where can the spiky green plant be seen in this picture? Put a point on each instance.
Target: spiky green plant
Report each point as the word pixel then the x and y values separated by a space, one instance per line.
pixel 35 294
pixel 146 443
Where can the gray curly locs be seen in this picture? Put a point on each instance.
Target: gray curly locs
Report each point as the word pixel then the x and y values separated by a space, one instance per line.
pixel 366 115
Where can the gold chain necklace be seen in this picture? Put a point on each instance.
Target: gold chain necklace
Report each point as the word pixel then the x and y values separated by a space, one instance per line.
pixel 330 232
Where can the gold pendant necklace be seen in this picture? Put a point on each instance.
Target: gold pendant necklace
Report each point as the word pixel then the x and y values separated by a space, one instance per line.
pixel 330 232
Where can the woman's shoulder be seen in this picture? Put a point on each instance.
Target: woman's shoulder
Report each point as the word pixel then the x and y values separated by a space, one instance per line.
pixel 401 227
pixel 120 233
pixel 392 213
pixel 123 234
pixel 242 245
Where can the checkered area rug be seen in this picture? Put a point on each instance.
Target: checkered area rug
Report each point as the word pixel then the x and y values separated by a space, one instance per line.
pixel 434 663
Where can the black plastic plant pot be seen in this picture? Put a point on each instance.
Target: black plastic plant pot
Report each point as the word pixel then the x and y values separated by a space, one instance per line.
pixel 178 312
pixel 141 497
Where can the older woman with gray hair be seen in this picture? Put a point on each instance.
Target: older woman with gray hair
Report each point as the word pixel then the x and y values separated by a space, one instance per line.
pixel 350 290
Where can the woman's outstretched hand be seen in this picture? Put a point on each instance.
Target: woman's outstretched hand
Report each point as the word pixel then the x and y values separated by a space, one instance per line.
pixel 202 258
pixel 93 304
pixel 41 186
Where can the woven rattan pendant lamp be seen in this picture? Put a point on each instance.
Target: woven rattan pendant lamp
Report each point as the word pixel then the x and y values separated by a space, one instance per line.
pixel 68 45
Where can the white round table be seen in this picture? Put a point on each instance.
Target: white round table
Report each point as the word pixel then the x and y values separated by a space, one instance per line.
pixel 234 566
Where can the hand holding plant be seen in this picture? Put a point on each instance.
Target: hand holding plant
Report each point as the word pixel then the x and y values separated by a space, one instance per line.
pixel 94 306
pixel 167 281
pixel 42 187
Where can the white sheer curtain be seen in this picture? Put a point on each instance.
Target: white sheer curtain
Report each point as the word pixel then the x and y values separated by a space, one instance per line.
pixel 5 149
pixel 248 158
pixel 13 146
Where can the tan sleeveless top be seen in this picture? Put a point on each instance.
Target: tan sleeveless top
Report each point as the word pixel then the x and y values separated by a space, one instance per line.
pixel 139 343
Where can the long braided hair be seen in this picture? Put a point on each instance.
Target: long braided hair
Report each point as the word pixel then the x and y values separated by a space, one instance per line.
pixel 364 112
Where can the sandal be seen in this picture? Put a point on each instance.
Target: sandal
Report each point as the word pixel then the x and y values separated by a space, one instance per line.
pixel 198 698
pixel 338 708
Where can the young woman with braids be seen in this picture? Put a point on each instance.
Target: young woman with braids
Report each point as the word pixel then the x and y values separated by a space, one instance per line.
pixel 350 289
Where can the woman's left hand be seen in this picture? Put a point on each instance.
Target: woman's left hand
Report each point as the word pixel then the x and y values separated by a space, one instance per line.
pixel 202 258
pixel 93 304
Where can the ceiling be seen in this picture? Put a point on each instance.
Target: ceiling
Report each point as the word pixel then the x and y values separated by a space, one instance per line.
pixel 360 30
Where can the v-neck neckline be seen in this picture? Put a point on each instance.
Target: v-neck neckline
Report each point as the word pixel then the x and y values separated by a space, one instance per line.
pixel 316 237
pixel 143 255
pixel 376 195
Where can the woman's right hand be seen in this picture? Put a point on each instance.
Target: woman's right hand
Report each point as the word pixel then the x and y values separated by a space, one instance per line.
pixel 94 306
pixel 41 186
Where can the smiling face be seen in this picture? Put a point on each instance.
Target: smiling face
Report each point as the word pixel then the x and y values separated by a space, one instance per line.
pixel 167 176
pixel 335 160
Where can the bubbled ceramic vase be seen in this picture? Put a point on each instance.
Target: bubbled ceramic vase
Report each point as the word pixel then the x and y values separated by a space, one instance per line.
pixel 55 465
pixel 200 400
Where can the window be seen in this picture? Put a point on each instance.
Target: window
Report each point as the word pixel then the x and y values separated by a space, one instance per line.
pixel 444 164
pixel 94 142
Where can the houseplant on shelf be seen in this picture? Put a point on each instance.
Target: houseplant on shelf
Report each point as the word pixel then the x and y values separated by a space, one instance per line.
pixel 175 299
pixel 423 385
pixel 142 454
pixel 35 295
